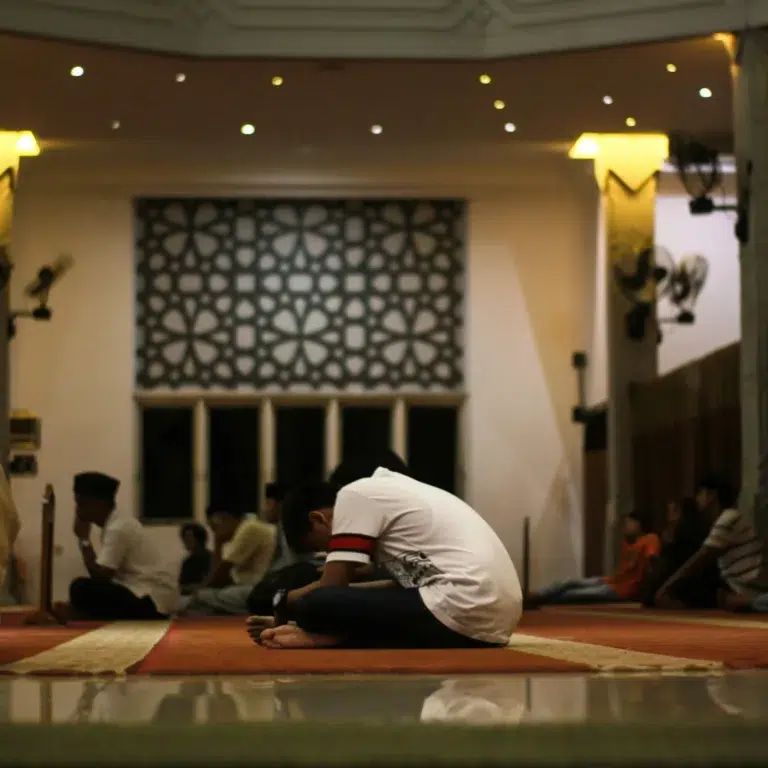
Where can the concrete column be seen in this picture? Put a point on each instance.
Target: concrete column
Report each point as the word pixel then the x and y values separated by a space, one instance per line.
pixel 626 169
pixel 13 145
pixel 751 137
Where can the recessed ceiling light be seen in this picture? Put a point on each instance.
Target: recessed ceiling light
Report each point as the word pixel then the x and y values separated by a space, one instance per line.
pixel 77 71
pixel 485 79
pixel 180 77
pixel 705 93
pixel 631 122
pixel 607 99
pixel 671 68
pixel 376 130
pixel 115 125
pixel 499 104
pixel 510 127
pixel 277 81
pixel 247 129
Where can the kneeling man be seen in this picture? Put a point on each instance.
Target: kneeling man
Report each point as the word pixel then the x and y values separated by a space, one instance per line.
pixel 126 579
pixel 454 584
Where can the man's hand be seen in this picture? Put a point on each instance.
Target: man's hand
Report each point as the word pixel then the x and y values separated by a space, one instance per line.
pixel 82 528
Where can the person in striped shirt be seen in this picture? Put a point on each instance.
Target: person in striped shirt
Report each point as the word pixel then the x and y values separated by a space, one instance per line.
pixel 732 541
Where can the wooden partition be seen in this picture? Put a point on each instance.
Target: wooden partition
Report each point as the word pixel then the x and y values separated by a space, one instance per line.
pixel 686 423
pixel 595 469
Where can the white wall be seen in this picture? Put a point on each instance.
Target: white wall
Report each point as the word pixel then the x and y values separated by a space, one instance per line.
pixel 530 253
pixel 718 310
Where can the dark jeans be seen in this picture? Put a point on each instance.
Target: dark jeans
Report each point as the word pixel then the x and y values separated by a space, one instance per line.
pixel 107 601
pixel 376 618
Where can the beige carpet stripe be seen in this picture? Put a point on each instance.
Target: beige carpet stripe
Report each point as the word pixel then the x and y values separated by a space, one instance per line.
pixel 108 650
pixel 669 619
pixel 604 658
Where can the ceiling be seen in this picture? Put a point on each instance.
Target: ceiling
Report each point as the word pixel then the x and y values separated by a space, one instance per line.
pixel 550 98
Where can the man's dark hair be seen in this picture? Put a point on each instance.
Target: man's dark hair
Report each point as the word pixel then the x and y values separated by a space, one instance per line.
pixel 223 509
pixel 298 505
pixel 275 492
pixel 198 531
pixel 364 466
pixel 640 518
pixel 722 488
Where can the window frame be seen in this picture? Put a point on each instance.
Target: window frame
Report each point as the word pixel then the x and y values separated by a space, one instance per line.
pixel 333 403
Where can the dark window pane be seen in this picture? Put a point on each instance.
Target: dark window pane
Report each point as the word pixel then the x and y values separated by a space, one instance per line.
pixel 234 437
pixel 365 430
pixel 167 439
pixel 433 442
pixel 300 448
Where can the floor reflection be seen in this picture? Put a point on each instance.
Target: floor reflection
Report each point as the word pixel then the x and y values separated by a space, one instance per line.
pixel 478 700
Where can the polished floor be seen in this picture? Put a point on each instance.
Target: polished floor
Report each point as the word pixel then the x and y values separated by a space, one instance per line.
pixel 507 701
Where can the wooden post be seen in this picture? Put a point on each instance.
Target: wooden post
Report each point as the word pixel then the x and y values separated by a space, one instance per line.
pixel 526 557
pixel 44 613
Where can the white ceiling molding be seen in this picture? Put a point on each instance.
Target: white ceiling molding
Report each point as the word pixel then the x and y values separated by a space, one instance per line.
pixel 396 29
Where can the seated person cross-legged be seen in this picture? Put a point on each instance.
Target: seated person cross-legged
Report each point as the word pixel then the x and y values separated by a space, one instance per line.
pixel 197 564
pixel 244 550
pixel 127 578
pixel 732 543
pixel 687 527
pixel 454 584
pixel 638 548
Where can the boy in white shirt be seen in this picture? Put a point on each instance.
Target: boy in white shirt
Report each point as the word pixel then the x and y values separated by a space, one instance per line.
pixel 454 584
pixel 127 578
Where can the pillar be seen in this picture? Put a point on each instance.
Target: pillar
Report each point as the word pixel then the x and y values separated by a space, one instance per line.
pixel 751 139
pixel 13 145
pixel 626 169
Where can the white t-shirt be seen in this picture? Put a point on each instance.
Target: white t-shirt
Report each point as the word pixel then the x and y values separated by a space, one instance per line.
pixel 127 549
pixel 742 562
pixel 431 540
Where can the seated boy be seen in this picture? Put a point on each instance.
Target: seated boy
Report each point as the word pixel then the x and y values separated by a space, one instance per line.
pixel 454 586
pixel 638 548
pixel 244 549
pixel 733 543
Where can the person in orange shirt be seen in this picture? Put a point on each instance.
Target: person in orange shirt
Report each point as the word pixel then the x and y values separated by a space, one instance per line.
pixel 638 549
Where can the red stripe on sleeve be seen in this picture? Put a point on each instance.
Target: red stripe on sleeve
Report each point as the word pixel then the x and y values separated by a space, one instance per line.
pixel 350 542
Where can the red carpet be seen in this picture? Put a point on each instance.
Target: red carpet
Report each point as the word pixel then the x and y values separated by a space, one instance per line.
pixel 735 647
pixel 19 642
pixel 218 647
pixel 549 641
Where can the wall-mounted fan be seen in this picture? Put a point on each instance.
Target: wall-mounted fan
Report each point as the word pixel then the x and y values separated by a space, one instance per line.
pixel 642 277
pixel 684 287
pixel 650 274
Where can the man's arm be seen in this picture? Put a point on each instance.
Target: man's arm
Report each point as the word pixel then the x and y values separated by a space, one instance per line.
pixel 220 574
pixel 95 570
pixel 253 540
pixel 335 574
pixel 696 563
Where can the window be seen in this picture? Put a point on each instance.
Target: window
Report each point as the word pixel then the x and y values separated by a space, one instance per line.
pixel 299 444
pixel 433 445
pixel 233 458
pixel 167 473
pixel 210 449
pixel 365 430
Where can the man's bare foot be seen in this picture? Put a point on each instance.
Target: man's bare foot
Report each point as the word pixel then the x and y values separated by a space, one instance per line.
pixel 291 636
pixel 255 625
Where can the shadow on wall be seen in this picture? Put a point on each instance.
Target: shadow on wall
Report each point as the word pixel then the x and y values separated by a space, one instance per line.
pixel 555 533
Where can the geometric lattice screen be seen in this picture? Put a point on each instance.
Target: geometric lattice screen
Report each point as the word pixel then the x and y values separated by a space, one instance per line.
pixel 333 294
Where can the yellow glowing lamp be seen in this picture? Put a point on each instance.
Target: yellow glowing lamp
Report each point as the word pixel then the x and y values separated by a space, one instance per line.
pixel 26 145
pixel 587 147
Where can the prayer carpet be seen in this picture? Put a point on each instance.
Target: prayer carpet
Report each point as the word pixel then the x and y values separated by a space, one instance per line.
pixel 548 641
